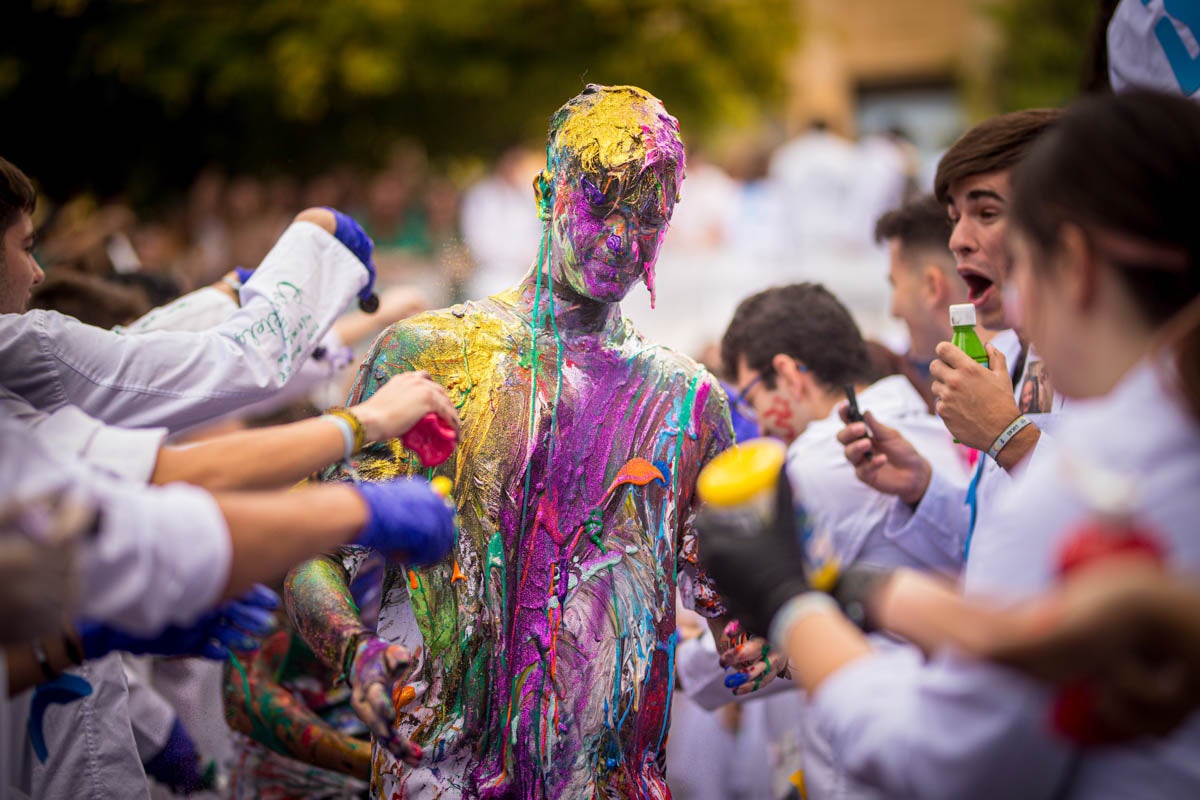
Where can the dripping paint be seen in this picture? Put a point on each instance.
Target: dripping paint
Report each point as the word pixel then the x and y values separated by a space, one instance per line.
pixel 545 646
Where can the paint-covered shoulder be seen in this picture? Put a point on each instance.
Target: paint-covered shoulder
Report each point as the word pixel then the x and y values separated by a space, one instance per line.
pixel 672 362
pixel 410 338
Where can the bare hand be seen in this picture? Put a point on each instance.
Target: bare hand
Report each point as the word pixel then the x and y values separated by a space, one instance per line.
pixel 378 666
pixel 895 467
pixel 756 662
pixel 975 402
pixel 400 403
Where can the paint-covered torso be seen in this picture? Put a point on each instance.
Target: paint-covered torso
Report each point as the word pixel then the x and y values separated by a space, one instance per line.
pixel 546 645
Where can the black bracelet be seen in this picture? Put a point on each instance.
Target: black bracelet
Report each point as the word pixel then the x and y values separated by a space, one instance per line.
pixel 72 649
pixel 349 654
pixel 39 655
pixel 854 591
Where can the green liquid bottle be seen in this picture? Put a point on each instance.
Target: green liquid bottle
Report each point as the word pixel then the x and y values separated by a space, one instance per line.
pixel 962 319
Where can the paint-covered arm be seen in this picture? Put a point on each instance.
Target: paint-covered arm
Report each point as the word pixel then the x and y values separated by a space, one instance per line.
pixel 317 598
pixel 179 379
pixel 258 706
pixel 322 609
pixel 712 427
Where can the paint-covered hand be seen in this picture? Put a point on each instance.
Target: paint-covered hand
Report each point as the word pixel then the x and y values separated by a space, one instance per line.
pixel 754 661
pixel 407 521
pixel 757 570
pixel 351 234
pixel 236 625
pixel 376 668
pixel 883 459
pixel 975 401
pixel 400 403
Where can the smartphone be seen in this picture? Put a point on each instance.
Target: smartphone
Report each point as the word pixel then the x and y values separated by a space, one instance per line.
pixel 853 412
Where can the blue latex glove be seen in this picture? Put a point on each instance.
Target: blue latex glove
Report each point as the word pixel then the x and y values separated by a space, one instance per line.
pixel 236 625
pixel 351 234
pixel 180 767
pixel 408 521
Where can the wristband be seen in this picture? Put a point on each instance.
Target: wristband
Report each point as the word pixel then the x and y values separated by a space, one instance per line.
pixel 347 433
pixel 39 655
pixel 1016 426
pixel 795 610
pixel 356 426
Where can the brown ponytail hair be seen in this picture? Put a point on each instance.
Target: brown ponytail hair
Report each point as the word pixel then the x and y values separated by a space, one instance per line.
pixel 1126 169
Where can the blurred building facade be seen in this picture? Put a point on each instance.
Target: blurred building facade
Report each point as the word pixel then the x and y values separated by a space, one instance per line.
pixel 866 65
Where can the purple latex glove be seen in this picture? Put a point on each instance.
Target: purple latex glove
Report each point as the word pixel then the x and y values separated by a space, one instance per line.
pixel 408 521
pixel 351 234
pixel 236 625
pixel 376 668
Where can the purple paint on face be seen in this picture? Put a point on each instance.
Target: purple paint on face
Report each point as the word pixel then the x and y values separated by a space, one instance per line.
pixel 614 243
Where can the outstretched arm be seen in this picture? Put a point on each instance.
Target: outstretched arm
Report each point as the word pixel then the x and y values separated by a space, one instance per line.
pixel 249 459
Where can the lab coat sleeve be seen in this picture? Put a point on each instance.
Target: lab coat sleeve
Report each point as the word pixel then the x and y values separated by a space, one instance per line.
pixel 941 521
pixel 159 555
pixel 950 729
pixel 179 379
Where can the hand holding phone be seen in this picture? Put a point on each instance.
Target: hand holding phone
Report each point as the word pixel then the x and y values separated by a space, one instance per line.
pixel 853 413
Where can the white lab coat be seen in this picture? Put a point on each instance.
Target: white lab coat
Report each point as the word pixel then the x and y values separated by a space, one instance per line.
pixel 181 379
pixel 943 514
pixel 91 741
pixel 957 729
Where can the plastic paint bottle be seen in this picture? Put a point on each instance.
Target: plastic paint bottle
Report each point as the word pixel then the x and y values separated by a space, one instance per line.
pixel 739 486
pixel 431 439
pixel 962 319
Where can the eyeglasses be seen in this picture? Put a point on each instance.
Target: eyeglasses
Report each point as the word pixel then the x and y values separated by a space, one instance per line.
pixel 741 403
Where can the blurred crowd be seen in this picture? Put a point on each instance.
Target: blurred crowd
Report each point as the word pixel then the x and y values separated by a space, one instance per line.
pixel 803 211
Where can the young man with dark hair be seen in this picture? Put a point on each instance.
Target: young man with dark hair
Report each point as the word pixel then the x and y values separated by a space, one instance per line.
pixel 19 270
pixel 977 403
pixel 793 349
pixel 923 277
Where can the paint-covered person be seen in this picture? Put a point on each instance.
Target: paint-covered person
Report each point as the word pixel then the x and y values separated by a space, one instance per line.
pixel 1108 280
pixel 541 658
pixel 979 404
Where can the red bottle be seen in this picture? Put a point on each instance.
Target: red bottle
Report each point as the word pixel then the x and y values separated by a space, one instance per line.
pixel 1108 532
pixel 431 439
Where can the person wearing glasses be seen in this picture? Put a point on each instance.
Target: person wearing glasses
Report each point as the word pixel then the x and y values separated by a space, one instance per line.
pixel 792 350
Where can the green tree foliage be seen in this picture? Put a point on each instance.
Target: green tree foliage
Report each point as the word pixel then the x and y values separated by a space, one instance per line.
pixel 114 93
pixel 1046 44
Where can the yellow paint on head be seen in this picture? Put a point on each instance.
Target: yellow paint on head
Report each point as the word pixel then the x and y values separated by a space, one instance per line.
pixel 615 127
